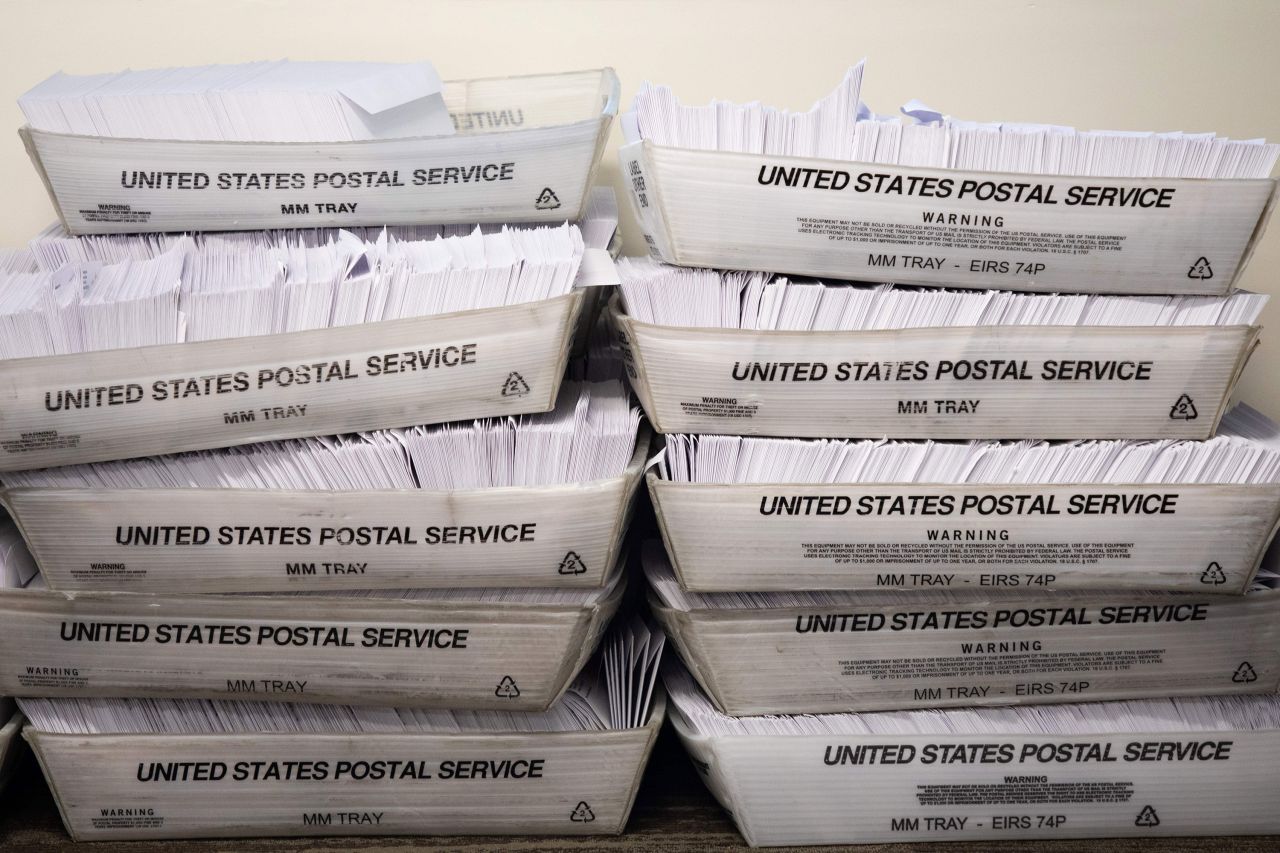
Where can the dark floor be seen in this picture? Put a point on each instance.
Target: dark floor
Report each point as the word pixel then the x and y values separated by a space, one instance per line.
pixel 673 812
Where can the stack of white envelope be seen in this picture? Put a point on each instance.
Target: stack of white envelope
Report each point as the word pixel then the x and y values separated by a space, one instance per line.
pixel 304 144
pixel 286 340
pixel 1013 476
pixel 189 293
pixel 279 101
pixel 464 565
pixel 1131 769
pixel 748 513
pixel 292 769
pixel 536 501
pixel 316 497
pixel 724 352
pixel 923 198
pixel 921 136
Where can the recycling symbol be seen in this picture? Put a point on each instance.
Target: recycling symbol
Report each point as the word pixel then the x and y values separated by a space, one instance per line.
pixel 582 813
pixel 1244 674
pixel 1213 574
pixel 515 386
pixel 1183 410
pixel 1200 269
pixel 507 688
pixel 1147 817
pixel 548 200
pixel 572 564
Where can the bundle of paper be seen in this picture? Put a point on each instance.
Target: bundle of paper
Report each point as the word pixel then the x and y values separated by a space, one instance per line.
pixel 513 649
pixel 534 501
pixel 326 770
pixel 922 136
pixel 212 292
pixel 784 514
pixel 18 261
pixel 278 101
pixel 818 652
pixel 1158 767
pixel 262 343
pixel 272 145
pixel 824 130
pixel 54 248
pixel 841 127
pixel 840 191
pixel 725 352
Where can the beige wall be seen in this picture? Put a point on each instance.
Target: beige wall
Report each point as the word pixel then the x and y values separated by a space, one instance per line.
pixel 1135 64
